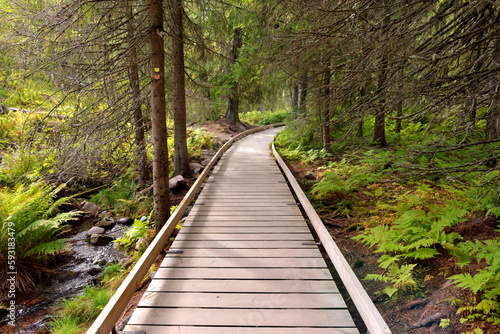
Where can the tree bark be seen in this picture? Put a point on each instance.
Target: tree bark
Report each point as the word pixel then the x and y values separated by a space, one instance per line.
pixel 158 117
pixel 181 157
pixel 492 130
pixel 232 113
pixel 295 100
pixel 379 130
pixel 326 107
pixel 302 94
pixel 140 142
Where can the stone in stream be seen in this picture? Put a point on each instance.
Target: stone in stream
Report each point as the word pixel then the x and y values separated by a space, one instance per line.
pixel 95 230
pixel 106 215
pixel 125 221
pixel 105 224
pixel 100 239
pixel 90 207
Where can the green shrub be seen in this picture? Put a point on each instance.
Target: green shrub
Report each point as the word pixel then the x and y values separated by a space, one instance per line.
pixel 274 117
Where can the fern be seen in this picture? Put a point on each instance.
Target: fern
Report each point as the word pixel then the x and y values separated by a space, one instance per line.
pixel 398 278
pixel 485 283
pixel 29 214
pixel 413 237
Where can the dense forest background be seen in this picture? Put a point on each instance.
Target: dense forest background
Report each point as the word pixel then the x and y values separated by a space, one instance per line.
pixel 393 107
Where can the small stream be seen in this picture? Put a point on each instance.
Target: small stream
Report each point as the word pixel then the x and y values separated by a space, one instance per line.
pixel 82 269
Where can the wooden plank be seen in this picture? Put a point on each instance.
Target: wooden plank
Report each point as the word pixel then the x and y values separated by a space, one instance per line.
pixel 257 217
pixel 224 252
pixel 238 209
pixel 182 244
pixel 238 330
pixel 241 300
pixel 371 316
pixel 233 223
pixel 238 317
pixel 243 273
pixel 243 262
pixel 247 286
pixel 212 212
pixel 263 205
pixel 306 237
pixel 245 229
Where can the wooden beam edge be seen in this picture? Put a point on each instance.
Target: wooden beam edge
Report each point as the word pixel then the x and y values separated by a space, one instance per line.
pixel 368 311
pixel 106 320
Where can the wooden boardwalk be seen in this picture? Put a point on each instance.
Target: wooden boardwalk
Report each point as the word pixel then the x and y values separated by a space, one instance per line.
pixel 249 262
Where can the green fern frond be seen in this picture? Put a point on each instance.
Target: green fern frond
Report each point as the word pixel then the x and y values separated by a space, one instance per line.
pixel 45 250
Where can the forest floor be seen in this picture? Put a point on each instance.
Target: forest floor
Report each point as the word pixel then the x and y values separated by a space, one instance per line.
pixel 419 311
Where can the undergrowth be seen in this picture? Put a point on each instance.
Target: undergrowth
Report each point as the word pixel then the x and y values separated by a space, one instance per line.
pixel 406 214
pixel 31 221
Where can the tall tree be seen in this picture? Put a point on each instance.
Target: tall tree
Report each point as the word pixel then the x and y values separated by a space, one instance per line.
pixel 232 113
pixel 158 115
pixel 135 90
pixel 181 158
pixel 326 106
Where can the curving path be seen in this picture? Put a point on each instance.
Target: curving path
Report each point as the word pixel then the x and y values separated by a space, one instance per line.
pixel 249 263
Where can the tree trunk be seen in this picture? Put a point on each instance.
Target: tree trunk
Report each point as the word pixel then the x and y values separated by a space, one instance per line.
pixel 135 90
pixel 379 130
pixel 492 130
pixel 295 100
pixel 158 116
pixel 232 113
pixel 326 107
pixel 301 103
pixel 181 158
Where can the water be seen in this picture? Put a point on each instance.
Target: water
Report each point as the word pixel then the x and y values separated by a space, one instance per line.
pixel 86 263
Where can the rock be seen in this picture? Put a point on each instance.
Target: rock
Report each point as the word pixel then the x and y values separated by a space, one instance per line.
pixel 100 239
pixel 95 230
pixel 105 224
pixel 177 183
pixel 106 214
pixel 65 276
pixel 94 271
pixel 205 162
pixel 310 177
pixel 152 275
pixel 90 207
pixel 196 168
pixel 125 221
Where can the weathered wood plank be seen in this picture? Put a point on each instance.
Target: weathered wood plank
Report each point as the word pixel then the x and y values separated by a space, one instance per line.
pixel 247 213
pixel 237 317
pixel 241 300
pixel 234 223
pixel 182 244
pixel 243 273
pixel 246 262
pixel 311 252
pixel 306 237
pixel 244 229
pixel 239 330
pixel 259 216
pixel 247 286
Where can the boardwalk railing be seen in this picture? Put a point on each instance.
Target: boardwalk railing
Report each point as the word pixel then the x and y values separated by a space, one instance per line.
pixel 105 322
pixel 367 310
